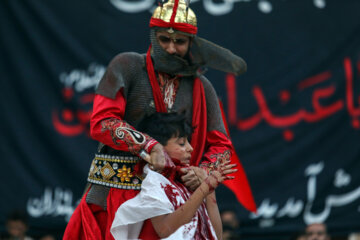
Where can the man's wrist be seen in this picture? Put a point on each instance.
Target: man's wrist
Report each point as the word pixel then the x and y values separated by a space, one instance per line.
pixel 149 145
pixel 146 149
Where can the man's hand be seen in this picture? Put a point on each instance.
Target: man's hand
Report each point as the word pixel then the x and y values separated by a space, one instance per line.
pixel 157 157
pixel 220 174
pixel 193 177
pixel 200 173
pixel 225 169
pixel 190 179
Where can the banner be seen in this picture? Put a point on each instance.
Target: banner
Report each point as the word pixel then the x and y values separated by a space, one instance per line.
pixel 294 117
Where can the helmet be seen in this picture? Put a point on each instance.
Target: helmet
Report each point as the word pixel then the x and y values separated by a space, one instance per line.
pixel 175 14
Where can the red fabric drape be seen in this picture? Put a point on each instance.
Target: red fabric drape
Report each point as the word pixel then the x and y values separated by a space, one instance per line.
pixel 240 185
pixel 199 121
pixel 199 110
pixel 158 97
pixel 89 221
pixel 83 224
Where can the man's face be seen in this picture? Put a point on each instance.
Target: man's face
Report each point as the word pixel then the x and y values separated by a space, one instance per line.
pixel 174 43
pixel 180 149
pixel 16 228
pixel 316 231
pixel 229 218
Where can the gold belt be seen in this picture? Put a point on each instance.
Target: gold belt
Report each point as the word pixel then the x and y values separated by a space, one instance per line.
pixel 115 171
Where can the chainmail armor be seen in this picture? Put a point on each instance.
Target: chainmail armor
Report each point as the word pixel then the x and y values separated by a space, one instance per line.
pixel 98 195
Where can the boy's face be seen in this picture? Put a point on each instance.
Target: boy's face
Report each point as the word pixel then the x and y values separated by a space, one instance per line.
pixel 180 149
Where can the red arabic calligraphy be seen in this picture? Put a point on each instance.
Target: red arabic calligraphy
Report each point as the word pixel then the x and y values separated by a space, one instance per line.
pixel 354 112
pixel 75 122
pixel 70 122
pixel 318 113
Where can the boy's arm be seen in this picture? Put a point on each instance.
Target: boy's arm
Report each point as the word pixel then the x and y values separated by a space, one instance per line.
pixel 211 205
pixel 165 225
pixel 214 214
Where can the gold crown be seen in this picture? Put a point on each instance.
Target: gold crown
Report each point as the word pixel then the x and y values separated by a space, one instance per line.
pixel 183 14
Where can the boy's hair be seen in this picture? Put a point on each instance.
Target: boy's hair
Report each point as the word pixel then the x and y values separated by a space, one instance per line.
pixel 163 126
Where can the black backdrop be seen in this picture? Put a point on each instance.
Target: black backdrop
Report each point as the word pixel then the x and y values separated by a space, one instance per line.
pixel 294 117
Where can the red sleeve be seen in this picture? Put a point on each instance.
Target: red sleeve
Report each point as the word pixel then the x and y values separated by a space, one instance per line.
pixel 218 148
pixel 108 127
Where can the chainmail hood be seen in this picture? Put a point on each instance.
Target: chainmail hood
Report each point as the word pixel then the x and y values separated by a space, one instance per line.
pixel 202 53
pixel 168 63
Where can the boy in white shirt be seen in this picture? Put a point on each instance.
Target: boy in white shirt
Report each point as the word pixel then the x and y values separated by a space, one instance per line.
pixel 165 208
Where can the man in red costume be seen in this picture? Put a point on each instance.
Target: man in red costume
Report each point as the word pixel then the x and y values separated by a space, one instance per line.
pixel 167 79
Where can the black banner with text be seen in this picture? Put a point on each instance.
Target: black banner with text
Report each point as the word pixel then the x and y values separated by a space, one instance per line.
pixel 294 117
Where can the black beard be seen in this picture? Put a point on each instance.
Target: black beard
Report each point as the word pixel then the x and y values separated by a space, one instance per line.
pixel 172 64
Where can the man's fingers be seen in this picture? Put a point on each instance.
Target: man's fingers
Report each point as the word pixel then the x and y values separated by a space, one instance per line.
pixel 159 164
pixel 191 182
pixel 188 177
pixel 230 171
pixel 228 166
pixel 194 186
pixel 144 155
pixel 184 170
pixel 157 157
pixel 229 178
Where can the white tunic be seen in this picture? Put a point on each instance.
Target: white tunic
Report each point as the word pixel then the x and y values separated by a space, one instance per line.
pixel 159 196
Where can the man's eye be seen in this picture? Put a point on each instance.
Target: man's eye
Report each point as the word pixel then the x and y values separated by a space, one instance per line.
pixel 180 41
pixel 164 39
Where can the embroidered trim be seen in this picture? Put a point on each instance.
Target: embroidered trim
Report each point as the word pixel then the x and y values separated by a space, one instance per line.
pixel 150 144
pixel 121 131
pixel 115 171
pixel 168 88
pixel 220 158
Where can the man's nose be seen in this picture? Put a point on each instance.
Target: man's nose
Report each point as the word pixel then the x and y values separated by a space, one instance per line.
pixel 171 48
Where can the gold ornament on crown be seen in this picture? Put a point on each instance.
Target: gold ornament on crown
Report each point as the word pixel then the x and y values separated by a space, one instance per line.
pixel 184 14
